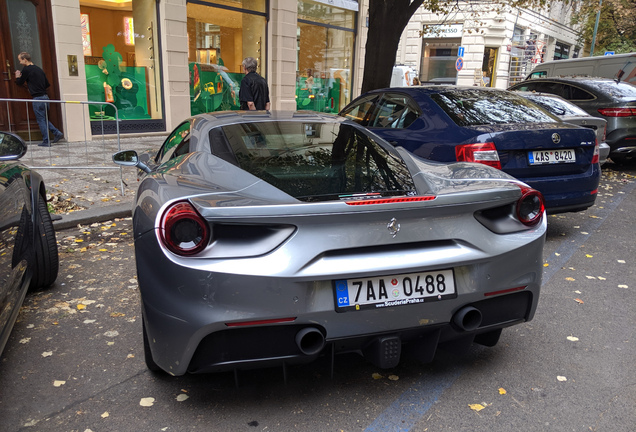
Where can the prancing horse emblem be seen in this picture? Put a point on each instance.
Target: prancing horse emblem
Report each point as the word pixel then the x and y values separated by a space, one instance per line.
pixel 393 227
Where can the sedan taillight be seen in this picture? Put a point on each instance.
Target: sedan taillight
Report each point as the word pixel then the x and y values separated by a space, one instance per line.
pixel 183 230
pixel 485 153
pixel 530 206
pixel 596 157
pixel 617 112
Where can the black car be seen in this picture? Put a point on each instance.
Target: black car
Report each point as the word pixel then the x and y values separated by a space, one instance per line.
pixel 489 126
pixel 600 97
pixel 28 249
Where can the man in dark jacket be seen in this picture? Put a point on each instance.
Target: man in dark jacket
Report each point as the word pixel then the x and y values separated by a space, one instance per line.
pixel 37 83
pixel 254 93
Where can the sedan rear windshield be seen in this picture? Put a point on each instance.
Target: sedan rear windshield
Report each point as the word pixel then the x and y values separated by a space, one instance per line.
pixel 318 161
pixel 477 107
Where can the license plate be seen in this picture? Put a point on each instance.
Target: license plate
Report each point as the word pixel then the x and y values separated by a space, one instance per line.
pixel 397 290
pixel 542 157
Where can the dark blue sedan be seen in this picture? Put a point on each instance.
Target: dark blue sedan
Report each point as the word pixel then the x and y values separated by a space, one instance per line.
pixel 490 126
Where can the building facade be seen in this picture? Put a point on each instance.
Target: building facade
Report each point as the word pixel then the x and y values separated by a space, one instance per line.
pixel 158 62
pixel 500 47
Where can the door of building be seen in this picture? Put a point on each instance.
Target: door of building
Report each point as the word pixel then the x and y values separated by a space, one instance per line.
pixel 26 26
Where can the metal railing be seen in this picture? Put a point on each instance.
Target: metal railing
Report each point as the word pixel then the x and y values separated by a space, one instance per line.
pixel 87 154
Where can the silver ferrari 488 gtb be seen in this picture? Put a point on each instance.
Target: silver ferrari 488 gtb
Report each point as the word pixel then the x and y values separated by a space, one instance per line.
pixel 266 239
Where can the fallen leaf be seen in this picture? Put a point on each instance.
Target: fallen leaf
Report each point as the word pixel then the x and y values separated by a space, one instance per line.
pixel 578 300
pixel 623 286
pixel 561 378
pixel 182 397
pixel 621 261
pixel 571 279
pixel 573 338
pixel 502 391
pixel 147 402
pixel 589 256
pixel 57 383
pixel 590 277
pixel 557 254
pixel 47 353
pixel 476 407
pixel 25 340
pixel 106 414
pixel 376 376
pixel 394 377
pixel 546 265
pixel 81 306
pixel 601 278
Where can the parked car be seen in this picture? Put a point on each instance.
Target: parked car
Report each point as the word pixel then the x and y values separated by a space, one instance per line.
pixel 488 126
pixel 267 239
pixel 28 257
pixel 599 97
pixel 570 113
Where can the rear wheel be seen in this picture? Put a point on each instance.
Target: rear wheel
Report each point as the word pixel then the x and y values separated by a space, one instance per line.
pixel 45 258
pixel 150 363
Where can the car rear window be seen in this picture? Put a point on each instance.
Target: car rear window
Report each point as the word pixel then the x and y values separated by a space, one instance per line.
pixel 317 161
pixel 477 107
pixel 556 106
pixel 618 90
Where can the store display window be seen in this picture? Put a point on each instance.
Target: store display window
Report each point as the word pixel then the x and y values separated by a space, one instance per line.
pixel 121 59
pixel 325 38
pixel 220 35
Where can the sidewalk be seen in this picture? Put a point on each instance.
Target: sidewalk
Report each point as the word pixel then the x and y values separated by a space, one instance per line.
pixel 83 184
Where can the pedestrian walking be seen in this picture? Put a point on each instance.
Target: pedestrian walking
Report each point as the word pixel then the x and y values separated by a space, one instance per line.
pixel 254 93
pixel 37 83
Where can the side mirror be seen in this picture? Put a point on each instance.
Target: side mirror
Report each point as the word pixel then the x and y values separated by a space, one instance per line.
pixel 130 158
pixel 12 147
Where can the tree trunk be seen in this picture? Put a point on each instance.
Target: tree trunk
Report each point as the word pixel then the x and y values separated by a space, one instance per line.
pixel 387 20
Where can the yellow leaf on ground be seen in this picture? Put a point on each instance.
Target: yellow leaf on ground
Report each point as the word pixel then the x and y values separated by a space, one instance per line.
pixel 571 279
pixel 147 402
pixel 502 391
pixel 78 240
pixel 376 375
pixel 81 306
pixel 573 338
pixel 394 377
pixel 589 256
pixel 476 407
pixel 579 301
pixel 58 383
pixel 546 265
pixel 106 414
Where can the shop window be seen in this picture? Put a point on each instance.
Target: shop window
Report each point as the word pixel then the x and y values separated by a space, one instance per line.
pixel 325 37
pixel 121 61
pixel 220 35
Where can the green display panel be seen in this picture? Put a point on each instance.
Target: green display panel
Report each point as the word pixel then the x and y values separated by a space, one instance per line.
pixel 213 89
pixel 125 87
pixel 322 95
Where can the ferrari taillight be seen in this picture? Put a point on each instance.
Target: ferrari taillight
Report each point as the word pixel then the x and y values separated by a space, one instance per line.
pixel 485 153
pixel 183 230
pixel 530 206
pixel 617 112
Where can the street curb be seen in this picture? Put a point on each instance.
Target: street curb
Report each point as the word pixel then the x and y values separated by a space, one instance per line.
pixel 89 216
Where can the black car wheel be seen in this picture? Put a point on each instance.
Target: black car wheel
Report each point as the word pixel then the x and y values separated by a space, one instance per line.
pixel 150 363
pixel 46 260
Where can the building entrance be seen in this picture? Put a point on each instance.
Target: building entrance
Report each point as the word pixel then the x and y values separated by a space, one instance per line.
pixel 25 26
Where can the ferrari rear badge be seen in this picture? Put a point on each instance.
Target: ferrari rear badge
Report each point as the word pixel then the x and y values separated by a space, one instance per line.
pixel 394 227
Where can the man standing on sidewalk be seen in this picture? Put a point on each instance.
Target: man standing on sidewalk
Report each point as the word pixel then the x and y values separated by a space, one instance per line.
pixel 37 84
pixel 254 93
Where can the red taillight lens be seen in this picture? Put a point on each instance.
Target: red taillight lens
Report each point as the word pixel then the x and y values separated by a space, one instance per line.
pixel 596 157
pixel 530 206
pixel 485 153
pixel 617 112
pixel 184 231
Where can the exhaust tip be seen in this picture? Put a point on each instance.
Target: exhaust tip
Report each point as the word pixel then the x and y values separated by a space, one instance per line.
pixel 467 318
pixel 310 341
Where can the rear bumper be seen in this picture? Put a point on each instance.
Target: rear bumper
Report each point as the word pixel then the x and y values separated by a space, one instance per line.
pixel 622 142
pixel 568 193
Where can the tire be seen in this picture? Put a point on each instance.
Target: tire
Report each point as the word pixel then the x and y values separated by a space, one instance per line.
pixel 46 262
pixel 150 363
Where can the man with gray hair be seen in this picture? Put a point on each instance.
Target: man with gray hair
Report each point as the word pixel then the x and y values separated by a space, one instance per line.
pixel 254 93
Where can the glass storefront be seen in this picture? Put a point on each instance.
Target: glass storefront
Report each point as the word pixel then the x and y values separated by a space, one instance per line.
pixel 438 59
pixel 121 57
pixel 325 38
pixel 220 35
